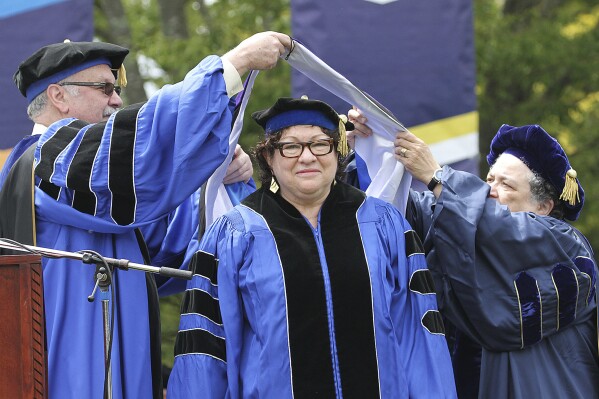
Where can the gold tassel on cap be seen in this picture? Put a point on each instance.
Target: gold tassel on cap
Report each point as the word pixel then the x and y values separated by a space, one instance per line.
pixel 342 147
pixel 570 193
pixel 122 76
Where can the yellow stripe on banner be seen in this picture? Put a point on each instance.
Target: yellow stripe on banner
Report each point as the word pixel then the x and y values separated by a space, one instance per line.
pixel 3 155
pixel 448 128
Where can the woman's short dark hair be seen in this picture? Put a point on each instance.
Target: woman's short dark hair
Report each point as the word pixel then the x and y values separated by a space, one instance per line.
pixel 266 148
pixel 541 191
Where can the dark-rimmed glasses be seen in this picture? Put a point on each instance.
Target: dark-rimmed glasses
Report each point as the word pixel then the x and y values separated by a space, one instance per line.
pixel 295 149
pixel 107 88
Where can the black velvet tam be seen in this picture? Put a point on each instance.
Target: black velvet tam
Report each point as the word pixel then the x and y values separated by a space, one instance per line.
pixel 55 62
pixel 288 112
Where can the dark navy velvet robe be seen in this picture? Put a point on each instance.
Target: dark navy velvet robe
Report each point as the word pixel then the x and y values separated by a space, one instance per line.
pixel 520 285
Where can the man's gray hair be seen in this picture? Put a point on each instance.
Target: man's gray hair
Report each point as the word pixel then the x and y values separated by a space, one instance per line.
pixel 38 105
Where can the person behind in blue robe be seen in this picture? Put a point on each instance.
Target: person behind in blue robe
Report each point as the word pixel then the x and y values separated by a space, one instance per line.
pixel 309 288
pixel 96 186
pixel 511 274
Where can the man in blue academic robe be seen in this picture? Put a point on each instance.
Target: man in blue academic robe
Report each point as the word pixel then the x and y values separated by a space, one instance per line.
pixel 95 184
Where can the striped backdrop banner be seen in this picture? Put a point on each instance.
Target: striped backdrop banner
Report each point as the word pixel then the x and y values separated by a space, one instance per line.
pixel 414 57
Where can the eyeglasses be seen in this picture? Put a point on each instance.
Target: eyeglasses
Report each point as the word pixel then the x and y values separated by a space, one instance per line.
pixel 294 150
pixel 108 88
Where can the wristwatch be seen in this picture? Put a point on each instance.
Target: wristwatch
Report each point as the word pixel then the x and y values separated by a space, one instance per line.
pixel 435 180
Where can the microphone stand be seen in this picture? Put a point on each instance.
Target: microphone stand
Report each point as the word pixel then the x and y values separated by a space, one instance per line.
pixel 103 277
pixel 103 280
pixel 123 264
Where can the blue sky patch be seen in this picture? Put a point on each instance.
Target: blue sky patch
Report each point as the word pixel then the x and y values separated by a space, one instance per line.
pixel 8 8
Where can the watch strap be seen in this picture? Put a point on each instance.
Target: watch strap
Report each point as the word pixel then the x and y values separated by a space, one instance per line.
pixel 434 181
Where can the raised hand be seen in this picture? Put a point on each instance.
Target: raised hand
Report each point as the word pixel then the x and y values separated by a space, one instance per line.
pixel 415 155
pixel 240 168
pixel 361 129
pixel 260 51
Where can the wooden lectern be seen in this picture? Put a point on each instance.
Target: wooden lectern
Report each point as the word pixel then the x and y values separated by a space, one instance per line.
pixel 22 342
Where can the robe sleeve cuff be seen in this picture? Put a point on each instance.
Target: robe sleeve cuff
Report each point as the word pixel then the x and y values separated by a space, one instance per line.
pixel 232 78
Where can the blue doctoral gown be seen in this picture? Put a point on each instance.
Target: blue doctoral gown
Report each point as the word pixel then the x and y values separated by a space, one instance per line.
pixel 519 284
pixel 279 309
pixel 95 185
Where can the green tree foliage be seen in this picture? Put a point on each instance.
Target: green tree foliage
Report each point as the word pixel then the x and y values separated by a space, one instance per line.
pixel 537 63
pixel 211 27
